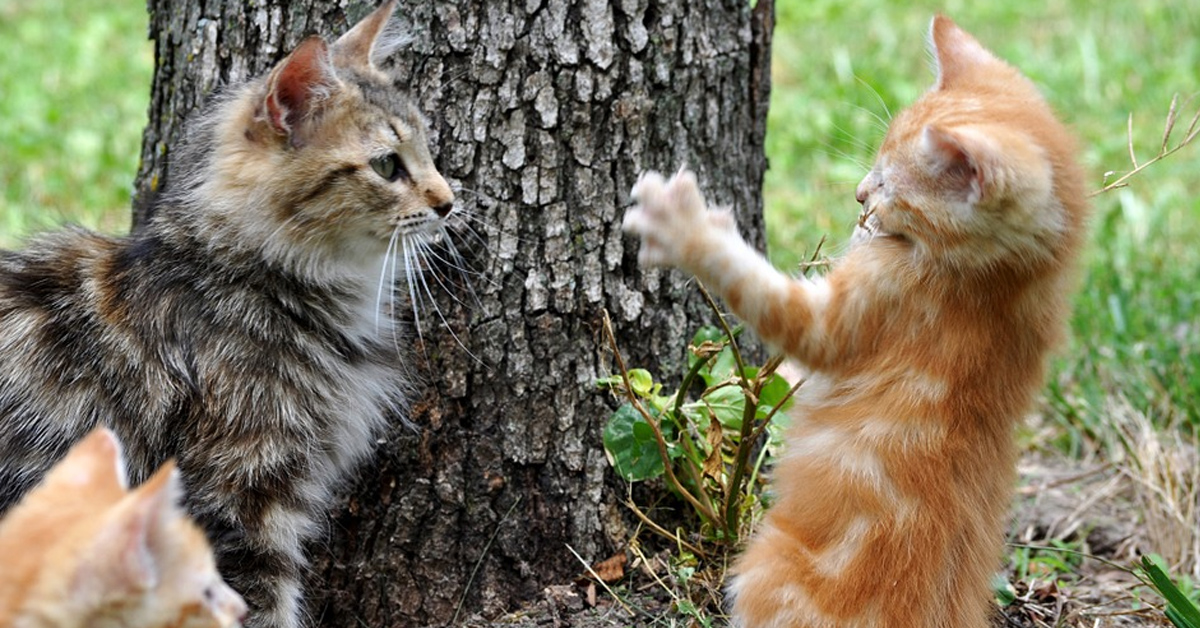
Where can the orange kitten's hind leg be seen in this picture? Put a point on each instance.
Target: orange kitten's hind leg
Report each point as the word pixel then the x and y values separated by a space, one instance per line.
pixel 764 590
pixel 873 575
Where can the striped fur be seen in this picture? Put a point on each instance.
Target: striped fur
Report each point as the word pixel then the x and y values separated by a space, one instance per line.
pixel 244 330
pixel 926 343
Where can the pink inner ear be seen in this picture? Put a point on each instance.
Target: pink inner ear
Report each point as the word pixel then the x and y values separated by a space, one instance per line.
pixel 295 84
pixel 953 161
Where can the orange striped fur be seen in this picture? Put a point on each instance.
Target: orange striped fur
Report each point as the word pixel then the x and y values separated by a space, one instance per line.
pixel 82 551
pixel 926 343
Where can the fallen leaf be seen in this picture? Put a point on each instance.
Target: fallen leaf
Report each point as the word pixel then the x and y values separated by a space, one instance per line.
pixel 611 569
pixel 713 465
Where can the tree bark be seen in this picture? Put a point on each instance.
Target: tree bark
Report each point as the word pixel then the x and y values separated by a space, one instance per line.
pixel 542 114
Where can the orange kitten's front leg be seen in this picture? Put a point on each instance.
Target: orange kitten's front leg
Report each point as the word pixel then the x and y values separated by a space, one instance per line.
pixel 678 229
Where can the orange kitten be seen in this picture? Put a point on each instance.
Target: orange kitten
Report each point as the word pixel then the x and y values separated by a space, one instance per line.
pixel 80 550
pixel 926 344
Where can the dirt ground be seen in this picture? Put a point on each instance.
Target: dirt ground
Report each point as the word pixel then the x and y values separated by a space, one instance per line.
pixel 1087 506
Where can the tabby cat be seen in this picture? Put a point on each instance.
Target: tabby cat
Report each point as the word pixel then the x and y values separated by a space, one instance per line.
pixel 82 551
pixel 926 343
pixel 241 330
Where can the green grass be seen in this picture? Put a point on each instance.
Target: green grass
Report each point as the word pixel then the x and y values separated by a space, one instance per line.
pixel 74 86
pixel 841 66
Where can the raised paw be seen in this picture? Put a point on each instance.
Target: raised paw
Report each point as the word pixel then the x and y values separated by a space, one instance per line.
pixel 671 218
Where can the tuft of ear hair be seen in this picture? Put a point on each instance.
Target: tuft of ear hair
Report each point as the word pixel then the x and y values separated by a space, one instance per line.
pixel 356 48
pixel 295 87
pixel 956 52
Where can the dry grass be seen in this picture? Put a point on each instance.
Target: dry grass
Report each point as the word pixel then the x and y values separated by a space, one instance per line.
pixel 1162 467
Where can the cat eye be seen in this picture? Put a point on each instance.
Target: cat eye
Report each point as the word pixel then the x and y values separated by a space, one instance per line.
pixel 388 167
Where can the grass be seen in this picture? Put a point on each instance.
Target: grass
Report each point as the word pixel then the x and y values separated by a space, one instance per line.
pixel 74 87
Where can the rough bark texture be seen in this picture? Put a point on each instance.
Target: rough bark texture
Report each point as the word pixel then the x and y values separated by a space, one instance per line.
pixel 542 114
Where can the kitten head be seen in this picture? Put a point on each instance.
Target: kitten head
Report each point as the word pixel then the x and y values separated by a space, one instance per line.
pixel 325 155
pixel 80 550
pixel 976 174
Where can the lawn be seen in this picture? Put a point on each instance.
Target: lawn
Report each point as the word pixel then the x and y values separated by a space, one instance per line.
pixel 74 85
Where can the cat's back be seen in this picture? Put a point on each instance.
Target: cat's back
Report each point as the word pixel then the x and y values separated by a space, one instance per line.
pixel 51 268
pixel 74 353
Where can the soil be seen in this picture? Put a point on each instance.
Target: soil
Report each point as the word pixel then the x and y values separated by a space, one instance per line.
pixel 1084 506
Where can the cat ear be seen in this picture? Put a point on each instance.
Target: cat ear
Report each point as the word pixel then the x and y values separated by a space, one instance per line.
pixel 957 160
pixel 295 87
pixel 122 555
pixel 360 44
pixel 957 54
pixel 94 463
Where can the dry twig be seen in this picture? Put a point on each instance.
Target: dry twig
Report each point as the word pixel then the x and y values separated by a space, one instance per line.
pixel 1165 148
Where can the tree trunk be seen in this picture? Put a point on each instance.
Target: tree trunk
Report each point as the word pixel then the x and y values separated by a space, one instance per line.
pixel 542 114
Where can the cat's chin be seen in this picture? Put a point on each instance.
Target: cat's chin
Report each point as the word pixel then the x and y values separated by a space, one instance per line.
pixel 864 234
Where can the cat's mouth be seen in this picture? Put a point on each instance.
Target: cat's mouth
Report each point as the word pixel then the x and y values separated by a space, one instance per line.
pixel 869 227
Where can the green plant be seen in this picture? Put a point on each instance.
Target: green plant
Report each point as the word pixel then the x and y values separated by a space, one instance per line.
pixel 1180 596
pixel 709 445
pixel 1046 563
pixel 1180 609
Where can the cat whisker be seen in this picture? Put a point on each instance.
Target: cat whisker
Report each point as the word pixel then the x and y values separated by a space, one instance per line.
pixel 427 251
pixel 837 152
pixel 853 139
pixel 463 267
pixel 879 99
pixel 468 214
pixel 453 75
pixel 457 263
pixel 490 228
pixel 412 292
pixel 876 124
pixel 463 273
pixel 391 249
pixel 466 229
pixel 438 310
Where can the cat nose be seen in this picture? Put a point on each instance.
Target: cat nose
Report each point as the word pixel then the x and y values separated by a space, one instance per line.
pixel 861 193
pixel 444 209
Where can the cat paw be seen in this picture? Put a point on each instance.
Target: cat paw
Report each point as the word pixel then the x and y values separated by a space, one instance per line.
pixel 671 218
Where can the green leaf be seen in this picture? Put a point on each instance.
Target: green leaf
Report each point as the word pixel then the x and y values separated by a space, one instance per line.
pixel 612 381
pixel 641 381
pixel 773 392
pixel 1180 610
pixel 707 333
pixel 706 337
pixel 1003 590
pixel 728 404
pixel 722 368
pixel 631 446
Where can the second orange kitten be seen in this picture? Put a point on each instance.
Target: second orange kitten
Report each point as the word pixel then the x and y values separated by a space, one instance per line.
pixel 926 343
pixel 82 551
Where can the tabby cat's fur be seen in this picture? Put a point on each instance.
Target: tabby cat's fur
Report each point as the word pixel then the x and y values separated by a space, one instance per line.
pixel 926 343
pixel 81 551
pixel 240 331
